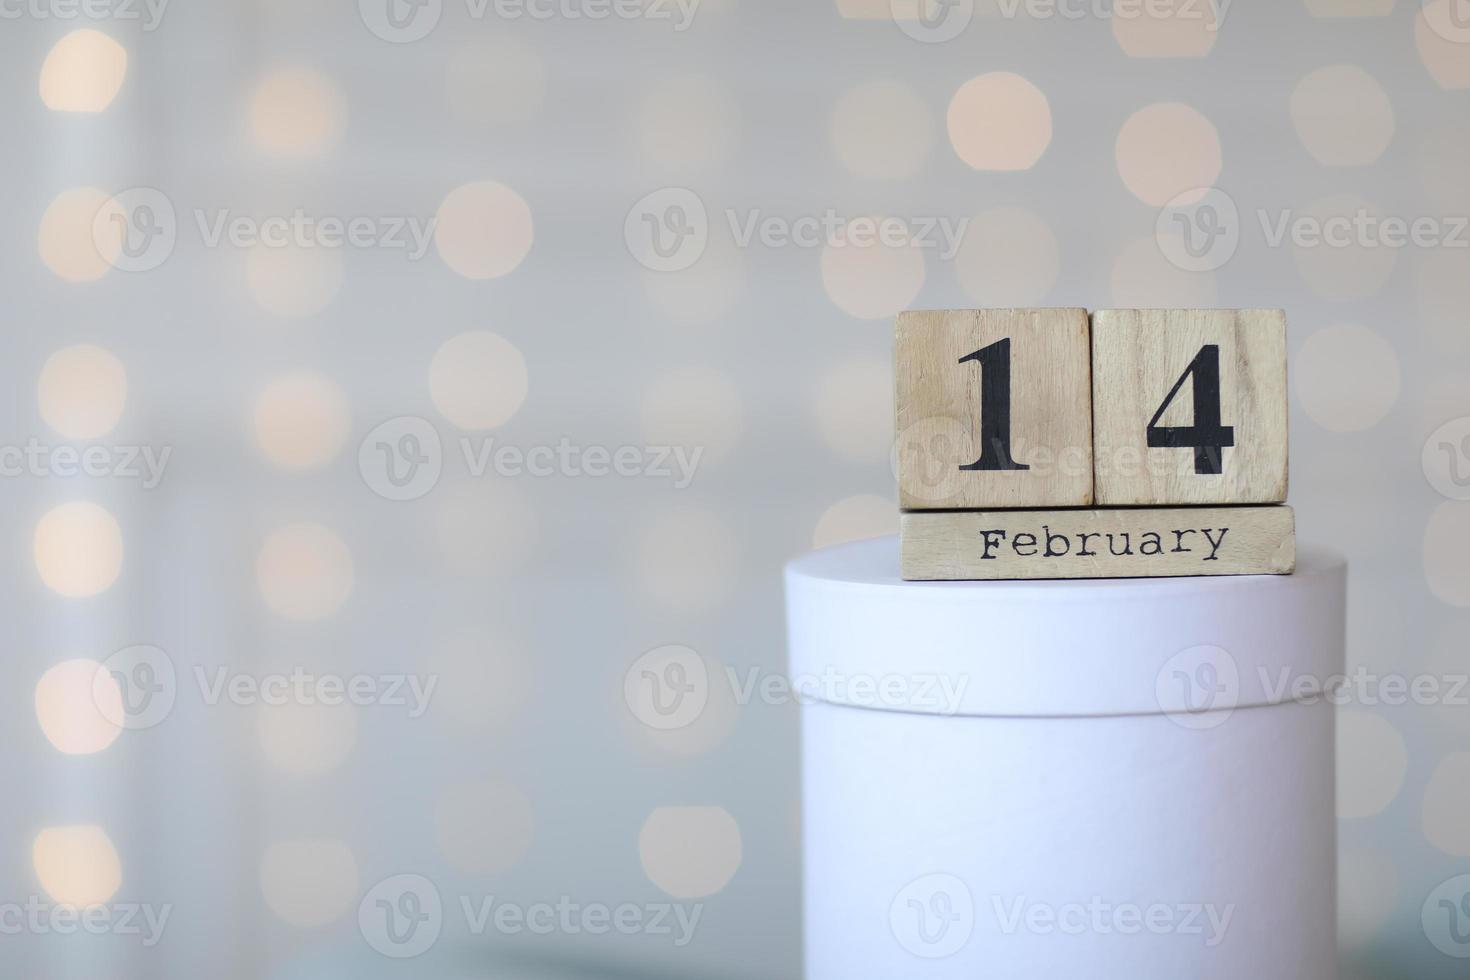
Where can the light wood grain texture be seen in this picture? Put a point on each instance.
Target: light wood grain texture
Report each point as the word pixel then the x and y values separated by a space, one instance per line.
pixel 941 405
pixel 1138 357
pixel 1121 543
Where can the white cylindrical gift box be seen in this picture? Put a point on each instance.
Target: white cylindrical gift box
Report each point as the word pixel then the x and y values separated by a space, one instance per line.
pixel 1100 778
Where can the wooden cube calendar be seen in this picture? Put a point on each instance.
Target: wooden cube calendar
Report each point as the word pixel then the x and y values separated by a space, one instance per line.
pixel 994 409
pixel 1189 407
pixel 1134 443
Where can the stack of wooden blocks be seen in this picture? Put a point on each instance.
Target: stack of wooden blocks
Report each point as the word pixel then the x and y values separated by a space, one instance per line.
pixel 1132 443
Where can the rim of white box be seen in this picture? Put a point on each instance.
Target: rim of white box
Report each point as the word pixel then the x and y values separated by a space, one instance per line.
pixel 860 636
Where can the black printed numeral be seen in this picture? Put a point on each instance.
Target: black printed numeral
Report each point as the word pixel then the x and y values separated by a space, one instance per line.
pixel 995 408
pixel 1206 436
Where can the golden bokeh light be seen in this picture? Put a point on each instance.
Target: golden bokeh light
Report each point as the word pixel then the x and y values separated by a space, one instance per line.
pixel 1009 258
pixel 882 130
pixel 83 72
pixel 77 865
pixel 81 391
pixel 309 883
pixel 294 280
pixel 999 121
pixel 297 112
pixel 869 275
pixel 483 230
pixel 478 380
pixel 66 241
pixel 304 572
pixel 78 549
pixel 1165 150
pixel 301 421
pixel 75 707
pixel 690 851
pixel 1343 116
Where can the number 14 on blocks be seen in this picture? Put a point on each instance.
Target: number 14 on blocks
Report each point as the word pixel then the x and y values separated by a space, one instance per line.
pixel 1003 414
pixel 1002 409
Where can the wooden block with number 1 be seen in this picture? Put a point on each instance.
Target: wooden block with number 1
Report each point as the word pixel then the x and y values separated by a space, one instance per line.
pixel 1189 407
pixel 994 409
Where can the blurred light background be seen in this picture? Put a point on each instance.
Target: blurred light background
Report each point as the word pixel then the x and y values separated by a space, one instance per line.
pixel 395 383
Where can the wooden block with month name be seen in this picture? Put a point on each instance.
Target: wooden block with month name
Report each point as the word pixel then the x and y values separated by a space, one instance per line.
pixel 1117 543
pixel 1189 407
pixel 994 409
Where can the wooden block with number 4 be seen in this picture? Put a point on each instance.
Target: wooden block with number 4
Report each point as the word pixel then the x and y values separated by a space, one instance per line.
pixel 994 409
pixel 1189 407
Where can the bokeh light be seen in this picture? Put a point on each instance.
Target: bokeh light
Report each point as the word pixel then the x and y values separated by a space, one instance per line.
pixel 1166 150
pixel 77 865
pixel 882 130
pixel 304 571
pixel 483 230
pixel 81 391
pixel 1009 259
pixel 297 113
pixel 78 548
pixel 301 421
pixel 868 275
pixel 305 739
pixel 83 72
pixel 70 709
pixel 999 121
pixel 1343 116
pixel 478 380
pixel 309 882
pixel 1346 377
pixel 690 851
pixel 66 241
